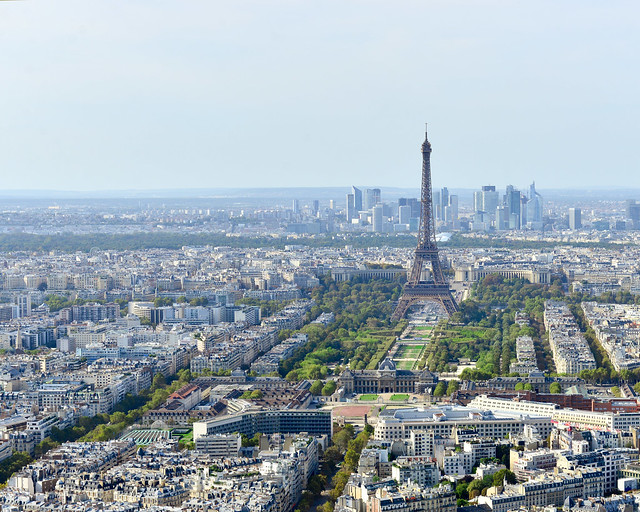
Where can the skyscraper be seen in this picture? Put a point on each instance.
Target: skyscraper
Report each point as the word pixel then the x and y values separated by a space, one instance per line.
pixel 513 204
pixel 453 208
pixel 351 209
pixel 633 213
pixel 295 206
pixel 378 218
pixel 413 204
pixel 575 218
pixel 534 208
pixel 502 218
pixel 377 196
pixel 444 201
pixel 404 214
pixel 436 206
pixel 477 201
pixel 415 207
pixel 372 198
pixel 523 210
pixel 490 199
pixel 357 198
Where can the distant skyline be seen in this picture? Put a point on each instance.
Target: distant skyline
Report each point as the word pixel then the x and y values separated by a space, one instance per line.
pixel 131 95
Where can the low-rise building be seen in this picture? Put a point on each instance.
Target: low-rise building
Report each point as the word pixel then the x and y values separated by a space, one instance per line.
pixel 219 445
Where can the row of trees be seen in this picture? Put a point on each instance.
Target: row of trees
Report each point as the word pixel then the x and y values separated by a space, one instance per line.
pixel 493 305
pixel 484 328
pixel 320 388
pixel 360 334
pixel 346 448
pixel 442 388
pixel 68 242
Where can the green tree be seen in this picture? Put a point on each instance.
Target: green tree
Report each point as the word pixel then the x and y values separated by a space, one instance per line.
pixel 503 474
pixel 184 375
pixel 470 374
pixel 250 441
pixel 555 388
pixel 329 388
pixel 292 376
pixel 316 388
pixel 333 454
pixel 453 386
pixel 158 381
pixel 440 390
pixel 342 437
pixel 14 463
pixel 476 487
pixel 461 491
pixel 44 446
pixel 351 459
pixel 117 417
pixel 519 386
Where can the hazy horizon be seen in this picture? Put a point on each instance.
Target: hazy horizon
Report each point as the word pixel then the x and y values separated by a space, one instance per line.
pixel 310 192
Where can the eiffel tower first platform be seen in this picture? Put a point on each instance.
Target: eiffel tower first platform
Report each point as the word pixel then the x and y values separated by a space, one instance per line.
pixel 423 285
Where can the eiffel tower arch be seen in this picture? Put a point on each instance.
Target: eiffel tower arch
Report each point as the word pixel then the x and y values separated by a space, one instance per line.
pixel 426 281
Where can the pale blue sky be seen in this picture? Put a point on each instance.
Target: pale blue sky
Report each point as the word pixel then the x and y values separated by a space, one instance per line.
pixel 156 94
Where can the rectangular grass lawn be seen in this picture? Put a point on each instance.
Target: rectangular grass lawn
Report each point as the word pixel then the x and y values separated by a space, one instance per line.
pixel 409 352
pixel 399 397
pixel 368 397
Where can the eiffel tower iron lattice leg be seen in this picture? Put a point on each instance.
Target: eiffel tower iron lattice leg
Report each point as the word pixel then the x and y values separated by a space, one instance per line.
pixel 405 303
pixel 425 284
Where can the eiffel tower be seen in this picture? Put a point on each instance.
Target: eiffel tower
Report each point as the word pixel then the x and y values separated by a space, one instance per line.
pixel 422 286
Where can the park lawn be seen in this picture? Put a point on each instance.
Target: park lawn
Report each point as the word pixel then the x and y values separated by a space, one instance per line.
pixel 423 327
pixel 409 351
pixel 412 355
pixel 368 398
pixel 404 365
pixel 399 397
